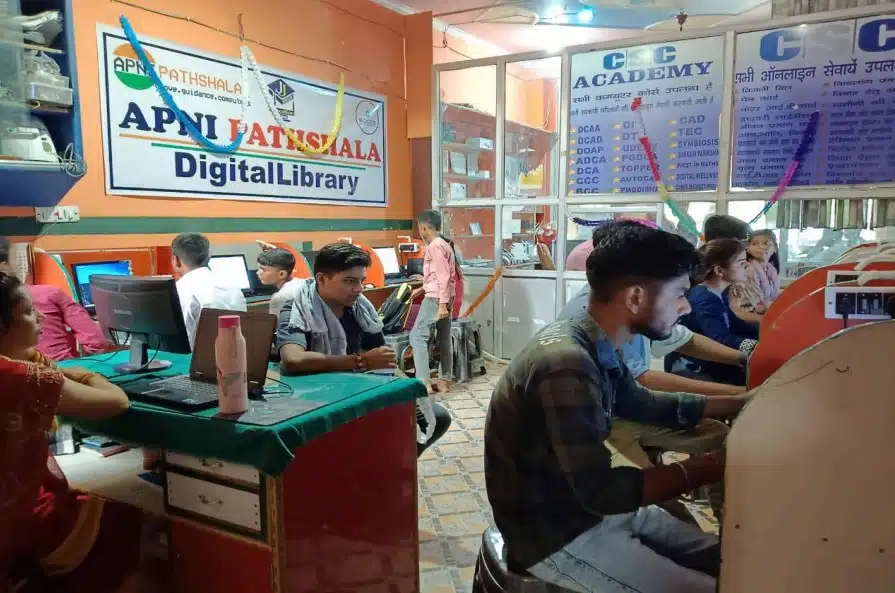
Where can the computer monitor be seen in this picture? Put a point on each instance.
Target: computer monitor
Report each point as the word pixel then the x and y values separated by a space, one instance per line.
pixel 414 266
pixel 230 270
pixel 389 258
pixel 147 311
pixel 83 272
pixel 310 257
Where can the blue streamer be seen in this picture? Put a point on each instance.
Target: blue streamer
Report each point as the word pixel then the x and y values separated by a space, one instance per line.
pixel 184 120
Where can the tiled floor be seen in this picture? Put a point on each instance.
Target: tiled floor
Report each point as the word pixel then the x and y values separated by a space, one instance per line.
pixel 453 504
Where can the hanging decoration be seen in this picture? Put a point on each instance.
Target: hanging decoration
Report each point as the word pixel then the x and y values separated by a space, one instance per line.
pixel 249 58
pixel 169 101
pixel 684 219
pixel 799 155
pixel 596 223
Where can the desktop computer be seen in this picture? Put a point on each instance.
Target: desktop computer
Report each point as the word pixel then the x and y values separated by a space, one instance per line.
pixel 231 270
pixel 389 258
pixel 83 272
pixel 146 311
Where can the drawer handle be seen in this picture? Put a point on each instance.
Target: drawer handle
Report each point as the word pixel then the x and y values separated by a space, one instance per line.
pixel 211 501
pixel 211 464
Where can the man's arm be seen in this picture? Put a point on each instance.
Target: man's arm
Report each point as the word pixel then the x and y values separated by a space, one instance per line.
pixel 442 263
pixel 707 349
pixel 88 334
pixel 296 360
pixel 662 381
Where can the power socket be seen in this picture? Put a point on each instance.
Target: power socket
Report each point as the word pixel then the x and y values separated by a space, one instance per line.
pixel 54 214
pixel 866 303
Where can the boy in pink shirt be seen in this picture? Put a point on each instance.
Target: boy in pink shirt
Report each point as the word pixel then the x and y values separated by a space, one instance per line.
pixel 440 273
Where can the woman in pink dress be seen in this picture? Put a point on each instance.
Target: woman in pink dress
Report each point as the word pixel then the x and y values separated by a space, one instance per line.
pixel 763 284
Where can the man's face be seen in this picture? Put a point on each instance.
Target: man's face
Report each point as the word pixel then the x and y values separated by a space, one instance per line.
pixel 269 275
pixel 343 288
pixel 659 307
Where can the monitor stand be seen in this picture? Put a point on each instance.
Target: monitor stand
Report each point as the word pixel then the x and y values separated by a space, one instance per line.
pixel 139 359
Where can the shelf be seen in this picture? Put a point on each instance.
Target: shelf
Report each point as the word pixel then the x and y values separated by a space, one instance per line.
pixel 469 178
pixel 32 46
pixel 472 236
pixel 34 184
pixel 464 148
pixel 36 109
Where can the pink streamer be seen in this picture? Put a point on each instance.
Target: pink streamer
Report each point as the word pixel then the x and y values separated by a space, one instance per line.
pixel 784 183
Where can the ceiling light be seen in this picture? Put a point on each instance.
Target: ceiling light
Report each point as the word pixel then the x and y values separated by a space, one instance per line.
pixel 555 11
pixel 586 16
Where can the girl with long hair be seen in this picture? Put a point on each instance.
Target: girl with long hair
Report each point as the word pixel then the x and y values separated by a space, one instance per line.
pixel 762 284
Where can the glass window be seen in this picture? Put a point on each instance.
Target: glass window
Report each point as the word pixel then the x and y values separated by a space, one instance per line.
pixel 532 107
pixel 472 230
pixel 528 237
pixel 468 129
pixel 698 211
pixel 578 230
pixel 810 233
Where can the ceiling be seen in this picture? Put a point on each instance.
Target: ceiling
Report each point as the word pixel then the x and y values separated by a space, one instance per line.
pixel 512 26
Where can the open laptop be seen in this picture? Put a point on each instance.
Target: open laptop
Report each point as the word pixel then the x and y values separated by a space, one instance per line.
pixel 199 389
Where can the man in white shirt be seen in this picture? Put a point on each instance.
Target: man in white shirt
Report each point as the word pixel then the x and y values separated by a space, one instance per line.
pixel 197 287
pixel 275 268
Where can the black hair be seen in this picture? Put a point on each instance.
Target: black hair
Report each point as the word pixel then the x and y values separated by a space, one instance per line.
pixel 280 259
pixel 4 250
pixel 10 295
pixel 719 252
pixel 430 217
pixel 338 257
pixel 193 249
pixel 627 253
pixel 724 226
pixel 774 260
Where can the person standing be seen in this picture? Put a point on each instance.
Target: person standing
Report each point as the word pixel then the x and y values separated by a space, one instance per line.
pixel 440 274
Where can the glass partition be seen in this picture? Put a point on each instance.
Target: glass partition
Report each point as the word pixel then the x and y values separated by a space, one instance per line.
pixel 468 128
pixel 472 230
pixel 698 211
pixel 528 237
pixel 580 226
pixel 532 119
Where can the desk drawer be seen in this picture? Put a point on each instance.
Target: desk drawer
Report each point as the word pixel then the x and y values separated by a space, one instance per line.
pixel 214 501
pixel 214 467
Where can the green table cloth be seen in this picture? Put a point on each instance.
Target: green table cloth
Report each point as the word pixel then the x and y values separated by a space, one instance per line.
pixel 347 396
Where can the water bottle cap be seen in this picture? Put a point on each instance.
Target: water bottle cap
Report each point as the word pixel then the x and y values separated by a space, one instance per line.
pixel 228 321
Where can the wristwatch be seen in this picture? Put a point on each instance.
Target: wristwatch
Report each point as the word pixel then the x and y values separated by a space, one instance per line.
pixel 359 365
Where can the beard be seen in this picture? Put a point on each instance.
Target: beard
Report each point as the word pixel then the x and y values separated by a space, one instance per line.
pixel 650 331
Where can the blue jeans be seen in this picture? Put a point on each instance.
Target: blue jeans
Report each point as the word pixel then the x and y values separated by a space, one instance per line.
pixel 426 318
pixel 647 551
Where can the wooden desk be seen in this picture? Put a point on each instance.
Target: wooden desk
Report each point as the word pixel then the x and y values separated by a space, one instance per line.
pixel 341 516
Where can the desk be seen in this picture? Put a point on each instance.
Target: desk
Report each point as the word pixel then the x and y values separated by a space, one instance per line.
pixel 324 503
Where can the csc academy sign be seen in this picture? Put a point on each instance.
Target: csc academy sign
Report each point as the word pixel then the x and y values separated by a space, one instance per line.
pixel 149 153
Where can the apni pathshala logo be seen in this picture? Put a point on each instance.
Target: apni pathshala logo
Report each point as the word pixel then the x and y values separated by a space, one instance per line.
pixel 129 69
pixel 283 96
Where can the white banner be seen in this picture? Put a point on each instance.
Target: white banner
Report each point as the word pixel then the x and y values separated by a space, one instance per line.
pixel 149 153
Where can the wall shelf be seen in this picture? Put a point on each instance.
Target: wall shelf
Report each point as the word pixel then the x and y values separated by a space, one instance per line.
pixel 39 183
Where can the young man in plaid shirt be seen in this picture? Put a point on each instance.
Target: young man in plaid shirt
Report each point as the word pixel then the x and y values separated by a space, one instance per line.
pixel 566 514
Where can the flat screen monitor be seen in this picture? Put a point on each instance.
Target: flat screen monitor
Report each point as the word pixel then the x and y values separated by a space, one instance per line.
pixel 310 257
pixel 146 311
pixel 415 266
pixel 230 270
pixel 83 272
pixel 389 258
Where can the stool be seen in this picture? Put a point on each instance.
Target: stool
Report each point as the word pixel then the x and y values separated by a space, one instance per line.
pixel 467 343
pixel 493 576
pixel 400 344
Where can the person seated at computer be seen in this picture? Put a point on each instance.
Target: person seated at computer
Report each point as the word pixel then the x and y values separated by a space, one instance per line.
pixel 275 267
pixel 567 516
pixel 59 312
pixel 331 326
pixel 723 226
pixel 629 440
pixel 197 286
pixel 52 538
pixel 723 264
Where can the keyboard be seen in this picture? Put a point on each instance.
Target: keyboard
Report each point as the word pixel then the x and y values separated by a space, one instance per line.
pixel 185 384
pixel 178 391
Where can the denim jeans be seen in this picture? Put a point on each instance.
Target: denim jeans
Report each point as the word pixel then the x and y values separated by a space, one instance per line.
pixel 419 340
pixel 647 551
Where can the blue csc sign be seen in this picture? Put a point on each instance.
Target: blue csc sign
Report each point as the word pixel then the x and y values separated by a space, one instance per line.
pixel 873 36
pixel 640 57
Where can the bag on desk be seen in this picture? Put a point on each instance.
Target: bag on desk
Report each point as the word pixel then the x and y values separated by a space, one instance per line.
pixel 395 309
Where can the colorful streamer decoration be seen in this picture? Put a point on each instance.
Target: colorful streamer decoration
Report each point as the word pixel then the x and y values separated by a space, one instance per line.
pixel 169 101
pixel 596 223
pixel 249 57
pixel 481 298
pixel 684 219
pixel 797 158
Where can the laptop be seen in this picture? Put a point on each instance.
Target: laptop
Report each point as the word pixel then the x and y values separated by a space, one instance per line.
pixel 198 389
